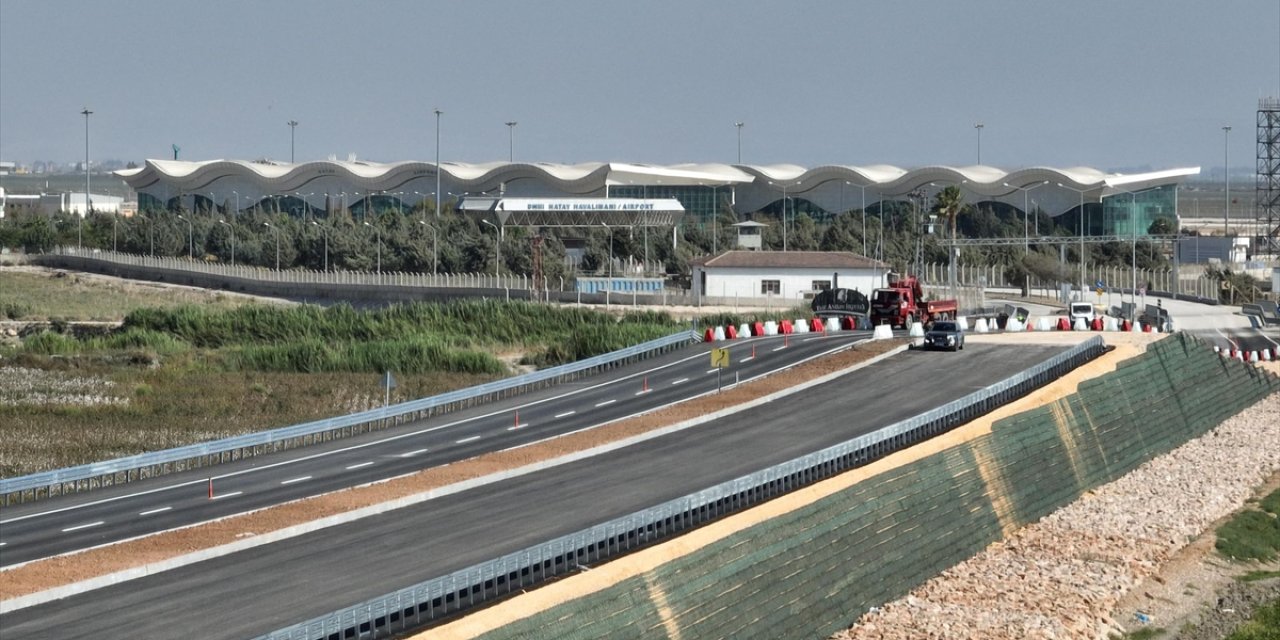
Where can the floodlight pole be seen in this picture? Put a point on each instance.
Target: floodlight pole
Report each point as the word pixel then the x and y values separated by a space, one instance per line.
pixel 293 124
pixel 88 200
pixel 511 140
pixel 438 114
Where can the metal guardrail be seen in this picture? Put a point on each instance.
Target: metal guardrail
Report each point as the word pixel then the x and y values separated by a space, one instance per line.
pixel 422 603
pixel 156 463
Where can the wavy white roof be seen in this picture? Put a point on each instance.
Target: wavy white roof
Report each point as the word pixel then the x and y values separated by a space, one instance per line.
pixel 592 176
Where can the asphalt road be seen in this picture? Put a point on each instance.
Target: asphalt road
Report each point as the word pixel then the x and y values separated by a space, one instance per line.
pixel 269 587
pixel 65 524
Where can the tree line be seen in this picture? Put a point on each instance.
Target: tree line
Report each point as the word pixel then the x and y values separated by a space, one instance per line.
pixel 901 233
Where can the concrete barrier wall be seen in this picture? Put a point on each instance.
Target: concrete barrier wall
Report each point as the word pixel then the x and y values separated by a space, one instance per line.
pixel 814 570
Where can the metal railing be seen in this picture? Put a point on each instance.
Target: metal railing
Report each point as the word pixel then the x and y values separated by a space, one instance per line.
pixel 433 599
pixel 146 465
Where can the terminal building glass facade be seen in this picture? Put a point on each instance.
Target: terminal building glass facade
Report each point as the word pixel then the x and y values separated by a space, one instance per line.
pixel 1122 211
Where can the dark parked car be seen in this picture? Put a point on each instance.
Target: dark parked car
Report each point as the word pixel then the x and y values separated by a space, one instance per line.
pixel 944 334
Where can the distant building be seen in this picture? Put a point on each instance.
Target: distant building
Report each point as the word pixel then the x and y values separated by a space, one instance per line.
pixel 787 275
pixel 13 203
pixel 1114 203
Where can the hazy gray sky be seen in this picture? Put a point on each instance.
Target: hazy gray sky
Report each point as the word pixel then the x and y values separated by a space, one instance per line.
pixel 1108 84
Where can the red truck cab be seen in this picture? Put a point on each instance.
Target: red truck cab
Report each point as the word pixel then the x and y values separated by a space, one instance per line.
pixel 902 303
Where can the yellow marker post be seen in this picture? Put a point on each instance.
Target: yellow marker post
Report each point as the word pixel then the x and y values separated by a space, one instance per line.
pixel 719 358
pixel 719 362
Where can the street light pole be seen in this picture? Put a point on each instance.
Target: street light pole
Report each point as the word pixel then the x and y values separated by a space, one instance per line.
pixel 497 246
pixel 293 124
pixel 979 126
pixel 438 113
pixel 1081 192
pixel 739 126
pixel 233 240
pixel 1026 213
pixel 88 200
pixel 324 232
pixel 1226 175
pixel 511 140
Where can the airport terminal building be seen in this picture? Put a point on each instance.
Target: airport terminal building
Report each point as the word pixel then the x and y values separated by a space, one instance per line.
pixel 1112 202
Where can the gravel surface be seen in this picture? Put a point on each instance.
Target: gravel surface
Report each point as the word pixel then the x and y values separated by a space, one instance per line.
pixel 1066 575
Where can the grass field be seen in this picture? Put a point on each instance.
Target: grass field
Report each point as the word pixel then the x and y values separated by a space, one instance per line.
pixel 186 365
pixel 37 294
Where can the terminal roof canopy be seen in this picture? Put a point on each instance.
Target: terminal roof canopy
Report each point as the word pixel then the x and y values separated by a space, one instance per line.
pixel 578 212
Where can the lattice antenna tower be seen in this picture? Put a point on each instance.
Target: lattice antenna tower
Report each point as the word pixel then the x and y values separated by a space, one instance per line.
pixel 1267 185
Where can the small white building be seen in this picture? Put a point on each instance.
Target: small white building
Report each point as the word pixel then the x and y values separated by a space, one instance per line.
pixel 788 275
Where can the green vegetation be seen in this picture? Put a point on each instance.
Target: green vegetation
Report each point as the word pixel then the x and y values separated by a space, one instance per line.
pixel 1264 625
pixel 168 377
pixel 1252 534
pixel 1255 576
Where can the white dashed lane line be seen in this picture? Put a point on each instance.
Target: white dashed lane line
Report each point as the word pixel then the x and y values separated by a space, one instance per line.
pixel 565 414
pixel 780 348
pixel 680 381
pixel 357 466
pixel 412 453
pixel 605 403
pixel 83 526
pixel 466 440
pixel 155 511
pixel 712 370
pixel 295 480
pixel 227 495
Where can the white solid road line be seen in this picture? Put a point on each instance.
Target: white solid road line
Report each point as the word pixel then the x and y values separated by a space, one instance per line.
pixel 605 403
pixel 357 466
pixel 154 511
pixel 466 440
pixel 680 381
pixel 412 453
pixel 565 414
pixel 303 478
pixel 227 495
pixel 83 526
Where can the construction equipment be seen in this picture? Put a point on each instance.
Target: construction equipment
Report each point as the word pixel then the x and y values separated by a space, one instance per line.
pixel 902 303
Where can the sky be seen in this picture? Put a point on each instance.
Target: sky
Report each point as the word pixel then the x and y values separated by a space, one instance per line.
pixel 1130 85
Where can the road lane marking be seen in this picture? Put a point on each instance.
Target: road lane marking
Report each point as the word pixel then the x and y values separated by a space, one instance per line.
pixel 710 371
pixel 680 381
pixel 780 348
pixel 155 511
pixel 565 414
pixel 302 479
pixel 412 453
pixel 466 440
pixel 643 391
pixel 747 358
pixel 227 495
pixel 383 441
pixel 357 466
pixel 82 526
pixel 605 403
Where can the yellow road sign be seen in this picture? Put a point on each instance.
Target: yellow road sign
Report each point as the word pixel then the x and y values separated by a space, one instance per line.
pixel 719 358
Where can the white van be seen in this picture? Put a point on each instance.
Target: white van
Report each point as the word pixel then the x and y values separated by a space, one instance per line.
pixel 1081 310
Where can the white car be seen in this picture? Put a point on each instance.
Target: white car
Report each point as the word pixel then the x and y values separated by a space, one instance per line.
pixel 1081 310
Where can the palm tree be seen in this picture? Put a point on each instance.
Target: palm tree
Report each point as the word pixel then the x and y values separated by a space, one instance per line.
pixel 949 204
